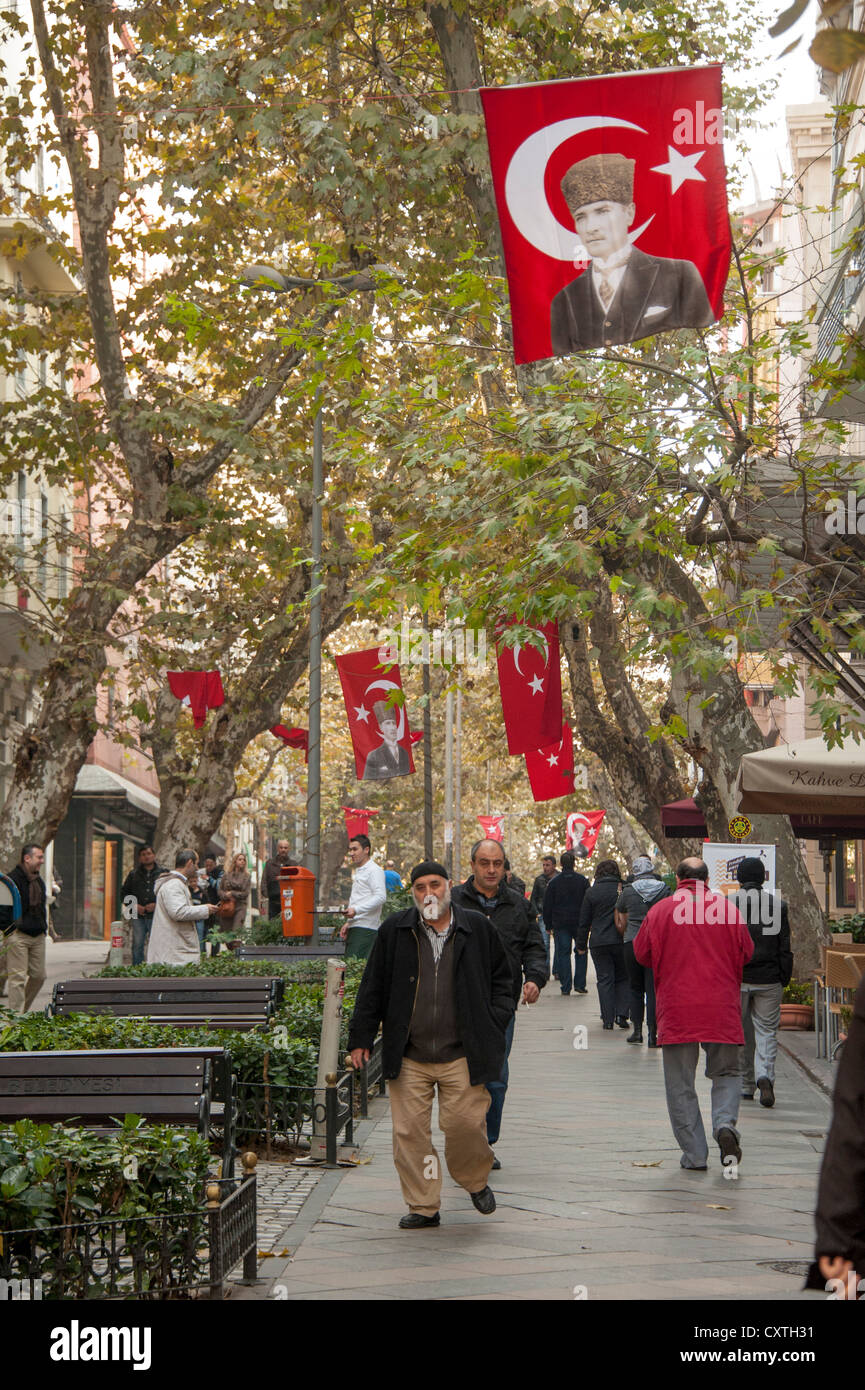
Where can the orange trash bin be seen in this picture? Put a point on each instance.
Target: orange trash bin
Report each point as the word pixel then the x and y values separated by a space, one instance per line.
pixel 297 898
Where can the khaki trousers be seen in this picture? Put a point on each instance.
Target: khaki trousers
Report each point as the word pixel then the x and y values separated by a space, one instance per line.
pixel 25 963
pixel 462 1116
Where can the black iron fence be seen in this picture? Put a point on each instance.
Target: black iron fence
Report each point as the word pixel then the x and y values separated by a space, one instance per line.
pixel 182 1255
pixel 266 1112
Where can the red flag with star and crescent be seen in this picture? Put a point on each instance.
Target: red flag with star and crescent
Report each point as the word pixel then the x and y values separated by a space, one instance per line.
pixel 530 683
pixel 551 769
pixel 583 828
pixel 379 728
pixel 612 202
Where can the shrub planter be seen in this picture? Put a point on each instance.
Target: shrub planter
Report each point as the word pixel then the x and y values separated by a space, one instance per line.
pixel 797 1017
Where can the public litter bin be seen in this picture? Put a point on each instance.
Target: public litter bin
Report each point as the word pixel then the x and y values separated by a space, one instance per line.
pixel 297 898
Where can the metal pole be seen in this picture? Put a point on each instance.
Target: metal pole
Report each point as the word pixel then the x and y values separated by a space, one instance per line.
pixel 313 784
pixel 489 789
pixel 458 784
pixel 449 783
pixel 427 749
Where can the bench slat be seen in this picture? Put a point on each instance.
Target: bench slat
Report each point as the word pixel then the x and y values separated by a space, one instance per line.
pixel 168 984
pixel 89 1086
pixel 85 1064
pixel 165 1109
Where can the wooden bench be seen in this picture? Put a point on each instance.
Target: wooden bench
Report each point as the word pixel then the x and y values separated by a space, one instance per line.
pixel 188 1086
pixel 290 953
pixel 231 1001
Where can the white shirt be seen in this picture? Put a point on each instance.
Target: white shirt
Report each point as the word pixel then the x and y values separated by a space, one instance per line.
pixel 613 271
pixel 368 892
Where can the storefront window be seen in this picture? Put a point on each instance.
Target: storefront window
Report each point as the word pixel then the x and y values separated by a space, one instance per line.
pixel 845 873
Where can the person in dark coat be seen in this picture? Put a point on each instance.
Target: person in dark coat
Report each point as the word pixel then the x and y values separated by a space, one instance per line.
pixel 643 888
pixel 486 891
pixel 840 1215
pixel 439 982
pixel 625 294
pixel 513 880
pixel 25 946
pixel 608 954
pixel 539 888
pixel 563 903
pixel 390 759
pixel 763 979
pixel 140 885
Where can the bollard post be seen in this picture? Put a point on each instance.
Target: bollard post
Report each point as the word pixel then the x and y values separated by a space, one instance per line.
pixel 328 1057
pixel 250 1256
pixel 115 954
pixel 330 1116
pixel 216 1271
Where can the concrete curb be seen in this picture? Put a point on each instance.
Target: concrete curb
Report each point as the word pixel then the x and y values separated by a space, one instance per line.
pixel 803 1066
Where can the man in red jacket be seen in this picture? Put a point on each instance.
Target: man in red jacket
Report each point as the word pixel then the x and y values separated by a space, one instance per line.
pixel 697 945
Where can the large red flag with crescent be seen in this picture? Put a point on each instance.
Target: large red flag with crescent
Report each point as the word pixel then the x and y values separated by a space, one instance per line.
pixel 612 201
pixel 551 769
pixel 530 682
pixel 583 828
pixel 379 730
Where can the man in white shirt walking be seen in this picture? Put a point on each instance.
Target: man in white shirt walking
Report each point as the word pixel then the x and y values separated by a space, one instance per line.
pixel 368 892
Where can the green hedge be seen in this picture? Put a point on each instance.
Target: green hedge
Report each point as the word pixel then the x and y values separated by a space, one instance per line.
pixel 55 1175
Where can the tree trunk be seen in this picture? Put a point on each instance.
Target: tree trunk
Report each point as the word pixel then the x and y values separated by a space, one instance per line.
pixel 602 791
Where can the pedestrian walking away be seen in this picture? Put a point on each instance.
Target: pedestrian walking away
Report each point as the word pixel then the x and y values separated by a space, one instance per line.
pixel 763 979
pixel 25 940
pixel 643 888
pixel 439 983
pixel 696 944
pixel 173 936
pixel 536 900
pixel 368 893
pixel 598 927
pixel 563 904
pixel 513 880
pixel 140 884
pixel 486 891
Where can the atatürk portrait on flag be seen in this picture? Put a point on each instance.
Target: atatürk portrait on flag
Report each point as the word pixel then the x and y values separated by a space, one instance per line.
pixel 391 759
pixel 624 294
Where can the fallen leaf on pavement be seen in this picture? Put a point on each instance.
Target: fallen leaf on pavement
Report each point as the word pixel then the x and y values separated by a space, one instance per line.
pixel 713 1206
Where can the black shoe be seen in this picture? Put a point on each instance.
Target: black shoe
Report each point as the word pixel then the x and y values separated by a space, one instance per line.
pixel 747 1095
pixel 729 1146
pixel 415 1222
pixel 622 1021
pixel 635 1037
pixel 497 1163
pixel 485 1201
pixel 608 1027
pixel 767 1092
pixel 653 1040
pixel 566 993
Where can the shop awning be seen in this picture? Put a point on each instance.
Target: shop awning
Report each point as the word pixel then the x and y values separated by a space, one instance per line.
pixel 804 777
pixel 684 820
pixel 99 782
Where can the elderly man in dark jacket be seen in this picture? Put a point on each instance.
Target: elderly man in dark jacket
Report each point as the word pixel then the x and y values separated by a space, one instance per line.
pixel 26 944
pixel 763 978
pixel 440 983
pixel 486 891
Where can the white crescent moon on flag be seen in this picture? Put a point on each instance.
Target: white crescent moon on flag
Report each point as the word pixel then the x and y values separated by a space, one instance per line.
pixel 517 648
pixel 524 186
pixel 399 710
pixel 575 819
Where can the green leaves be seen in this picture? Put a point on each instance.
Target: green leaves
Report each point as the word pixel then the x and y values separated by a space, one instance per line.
pixel 837 49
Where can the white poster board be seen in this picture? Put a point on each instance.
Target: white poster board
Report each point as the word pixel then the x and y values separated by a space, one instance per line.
pixel 723 860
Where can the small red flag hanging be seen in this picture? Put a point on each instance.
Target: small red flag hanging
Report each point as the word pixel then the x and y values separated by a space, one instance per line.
pixel 379 731
pixel 551 769
pixel 612 201
pixel 293 738
pixel 493 827
pixel 582 829
pixel 201 690
pixel 357 820
pixel 530 683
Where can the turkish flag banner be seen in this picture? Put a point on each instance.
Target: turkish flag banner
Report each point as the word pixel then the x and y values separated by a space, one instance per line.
pixel 493 827
pixel 293 738
pixel 357 820
pixel 379 732
pixel 551 769
pixel 582 830
pixel 530 684
pixel 200 690
pixel 612 201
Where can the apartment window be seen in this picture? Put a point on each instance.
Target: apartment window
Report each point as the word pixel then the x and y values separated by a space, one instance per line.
pixel 767 280
pixel 22 518
pixel 43 538
pixel 63 556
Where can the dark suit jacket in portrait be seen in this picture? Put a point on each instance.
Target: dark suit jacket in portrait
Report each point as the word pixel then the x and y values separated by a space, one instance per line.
pixel 380 765
pixel 655 295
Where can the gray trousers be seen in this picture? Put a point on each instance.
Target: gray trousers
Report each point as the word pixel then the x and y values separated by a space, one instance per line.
pixel 680 1070
pixel 761 1016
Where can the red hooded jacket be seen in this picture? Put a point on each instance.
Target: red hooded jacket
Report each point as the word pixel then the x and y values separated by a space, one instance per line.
pixel 696 945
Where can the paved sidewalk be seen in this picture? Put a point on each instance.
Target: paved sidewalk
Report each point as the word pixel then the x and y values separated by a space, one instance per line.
pixel 590 1196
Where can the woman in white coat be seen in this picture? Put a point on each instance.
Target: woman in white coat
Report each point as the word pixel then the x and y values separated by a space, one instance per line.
pixel 173 937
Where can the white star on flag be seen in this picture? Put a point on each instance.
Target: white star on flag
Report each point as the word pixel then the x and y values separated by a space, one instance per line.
pixel 553 760
pixel 536 685
pixel 680 168
pixel 361 713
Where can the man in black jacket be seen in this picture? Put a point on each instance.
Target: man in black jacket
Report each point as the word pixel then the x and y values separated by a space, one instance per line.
pixel 439 982
pixel 486 891
pixel 562 904
pixel 25 953
pixel 763 978
pixel 536 901
pixel 139 885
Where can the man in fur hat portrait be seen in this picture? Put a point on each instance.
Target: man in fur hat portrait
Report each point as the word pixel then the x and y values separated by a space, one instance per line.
pixel 391 759
pixel 625 294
